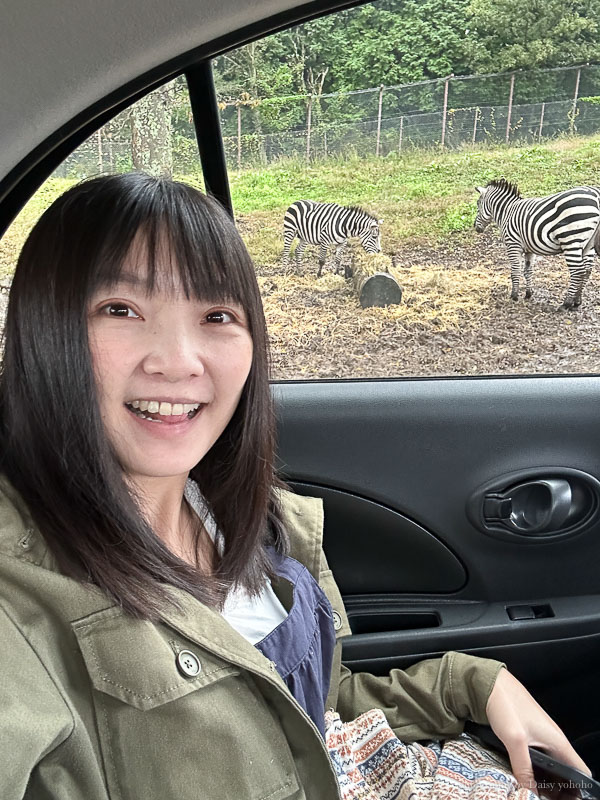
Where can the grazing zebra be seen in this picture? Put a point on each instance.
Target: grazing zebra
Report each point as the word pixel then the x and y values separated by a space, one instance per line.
pixel 325 224
pixel 567 222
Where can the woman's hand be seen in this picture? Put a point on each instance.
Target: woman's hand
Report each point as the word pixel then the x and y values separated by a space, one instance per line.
pixel 520 722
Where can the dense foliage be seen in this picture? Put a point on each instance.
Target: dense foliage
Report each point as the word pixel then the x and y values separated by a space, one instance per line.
pixel 509 34
pixel 404 41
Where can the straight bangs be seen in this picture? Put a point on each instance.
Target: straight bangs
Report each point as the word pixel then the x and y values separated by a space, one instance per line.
pixel 187 239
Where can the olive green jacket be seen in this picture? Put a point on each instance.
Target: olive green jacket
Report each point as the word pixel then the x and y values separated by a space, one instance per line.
pixel 94 705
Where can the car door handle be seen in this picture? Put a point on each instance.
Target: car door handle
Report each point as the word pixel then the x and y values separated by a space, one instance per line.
pixel 532 507
pixel 536 503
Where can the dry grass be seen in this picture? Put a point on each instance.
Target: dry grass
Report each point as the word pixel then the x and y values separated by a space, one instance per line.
pixel 455 318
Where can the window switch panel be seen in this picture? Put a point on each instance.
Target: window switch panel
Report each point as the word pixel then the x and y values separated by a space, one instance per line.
pixel 517 613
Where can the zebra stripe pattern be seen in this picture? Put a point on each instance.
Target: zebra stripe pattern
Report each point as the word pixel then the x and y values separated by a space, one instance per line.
pixel 325 224
pixel 567 222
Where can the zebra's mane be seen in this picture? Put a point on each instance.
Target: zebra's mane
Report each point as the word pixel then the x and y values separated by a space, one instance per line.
pixel 361 211
pixel 510 188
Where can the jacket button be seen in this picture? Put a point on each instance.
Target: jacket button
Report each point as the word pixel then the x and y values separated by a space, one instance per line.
pixel 188 664
pixel 337 620
pixel 26 541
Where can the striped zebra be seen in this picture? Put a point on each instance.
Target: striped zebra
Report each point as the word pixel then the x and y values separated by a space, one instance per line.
pixel 325 224
pixel 567 222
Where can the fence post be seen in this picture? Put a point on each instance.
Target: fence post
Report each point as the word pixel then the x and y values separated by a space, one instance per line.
pixel 400 138
pixel 574 109
pixel 239 137
pixel 379 120
pixel 510 102
pixel 475 124
pixel 100 158
pixel 308 124
pixel 325 142
pixel 541 122
pixel 444 112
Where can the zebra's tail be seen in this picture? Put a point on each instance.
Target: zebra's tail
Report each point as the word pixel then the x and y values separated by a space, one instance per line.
pixel 597 239
pixel 597 234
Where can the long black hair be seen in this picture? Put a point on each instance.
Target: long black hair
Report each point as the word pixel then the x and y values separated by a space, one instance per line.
pixel 53 445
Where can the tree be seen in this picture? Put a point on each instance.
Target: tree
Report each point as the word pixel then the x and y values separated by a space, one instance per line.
pixel 398 41
pixel 151 135
pixel 391 42
pixel 509 34
pixel 255 71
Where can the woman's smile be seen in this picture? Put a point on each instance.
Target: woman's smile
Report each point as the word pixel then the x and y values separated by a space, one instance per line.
pixel 164 410
pixel 163 419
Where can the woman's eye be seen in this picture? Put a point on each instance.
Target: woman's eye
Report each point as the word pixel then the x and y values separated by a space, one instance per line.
pixel 118 310
pixel 220 316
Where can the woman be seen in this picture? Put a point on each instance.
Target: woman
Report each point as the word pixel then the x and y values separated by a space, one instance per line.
pixel 152 648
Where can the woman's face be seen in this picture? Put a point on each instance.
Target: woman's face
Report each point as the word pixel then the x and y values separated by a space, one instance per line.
pixel 170 371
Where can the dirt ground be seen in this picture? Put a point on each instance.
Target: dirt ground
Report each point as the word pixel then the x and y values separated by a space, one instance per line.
pixel 455 318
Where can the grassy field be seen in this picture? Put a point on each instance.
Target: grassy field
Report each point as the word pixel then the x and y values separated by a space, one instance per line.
pixel 424 196
pixel 427 196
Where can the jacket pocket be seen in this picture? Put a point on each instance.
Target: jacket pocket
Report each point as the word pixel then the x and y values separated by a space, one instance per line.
pixel 176 721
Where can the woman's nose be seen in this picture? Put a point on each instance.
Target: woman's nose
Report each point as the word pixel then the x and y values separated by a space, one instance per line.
pixel 174 352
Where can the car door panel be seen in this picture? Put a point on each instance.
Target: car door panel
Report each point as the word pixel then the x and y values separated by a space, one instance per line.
pixel 376 549
pixel 397 463
pixel 421 448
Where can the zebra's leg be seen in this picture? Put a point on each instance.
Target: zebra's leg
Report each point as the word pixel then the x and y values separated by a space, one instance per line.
pixel 322 256
pixel 301 247
pixel 288 238
pixel 338 256
pixel 527 273
pixel 588 263
pixel 578 265
pixel 515 256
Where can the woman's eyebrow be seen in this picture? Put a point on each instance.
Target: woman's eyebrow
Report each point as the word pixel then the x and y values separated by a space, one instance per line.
pixel 131 280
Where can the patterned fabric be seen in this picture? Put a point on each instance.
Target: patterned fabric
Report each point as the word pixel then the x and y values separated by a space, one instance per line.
pixel 373 764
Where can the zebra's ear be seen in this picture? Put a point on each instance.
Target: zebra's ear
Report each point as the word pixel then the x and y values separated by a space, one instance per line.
pixel 481 189
pixel 379 221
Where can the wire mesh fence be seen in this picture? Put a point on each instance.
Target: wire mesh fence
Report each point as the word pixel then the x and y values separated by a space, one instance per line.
pixel 452 112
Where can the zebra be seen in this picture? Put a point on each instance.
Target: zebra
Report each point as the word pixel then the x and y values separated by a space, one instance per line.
pixel 325 224
pixel 567 222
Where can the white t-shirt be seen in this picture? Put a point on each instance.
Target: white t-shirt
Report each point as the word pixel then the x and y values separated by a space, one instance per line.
pixel 252 617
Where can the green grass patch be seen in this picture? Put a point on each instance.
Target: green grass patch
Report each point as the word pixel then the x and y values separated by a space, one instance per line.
pixel 459 217
pixel 13 240
pixel 427 195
